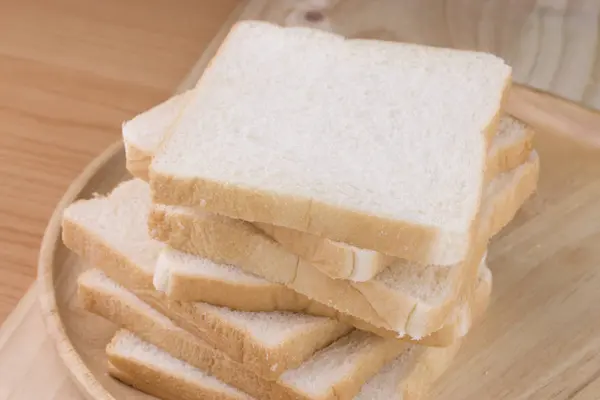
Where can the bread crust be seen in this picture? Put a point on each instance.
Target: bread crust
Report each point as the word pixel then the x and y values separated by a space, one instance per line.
pixel 159 382
pixel 430 364
pixel 399 238
pixel 277 297
pixel 235 242
pixel 201 319
pixel 186 347
pixel 336 259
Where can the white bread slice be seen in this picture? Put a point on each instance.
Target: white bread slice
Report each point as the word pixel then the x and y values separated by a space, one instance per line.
pixel 155 372
pixel 230 286
pixel 511 147
pixel 406 298
pixel 341 368
pixel 110 232
pixel 107 299
pixel 393 162
pixel 338 370
pixel 227 286
pixel 160 374
pixel 143 135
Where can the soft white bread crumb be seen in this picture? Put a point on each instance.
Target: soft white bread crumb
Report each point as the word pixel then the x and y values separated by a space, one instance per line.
pixel 111 232
pixel 456 326
pixel 345 365
pixel 510 147
pixel 410 374
pixel 393 162
pixel 407 297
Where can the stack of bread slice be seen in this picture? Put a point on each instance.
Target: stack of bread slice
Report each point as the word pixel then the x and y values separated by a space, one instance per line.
pixel 311 221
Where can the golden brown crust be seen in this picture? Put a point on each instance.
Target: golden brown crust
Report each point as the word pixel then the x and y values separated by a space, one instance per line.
pixel 314 217
pixel 235 242
pixel 430 364
pixel 321 219
pixel 237 295
pixel 137 161
pixel 160 383
pixel 186 347
pixel 199 318
pixel 181 345
pixel 510 156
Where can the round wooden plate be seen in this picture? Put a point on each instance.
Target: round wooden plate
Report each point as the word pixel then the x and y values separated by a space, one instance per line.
pixel 79 336
pixel 545 266
pixel 546 276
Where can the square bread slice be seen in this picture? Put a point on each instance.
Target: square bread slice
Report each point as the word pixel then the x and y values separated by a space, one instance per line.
pixel 110 233
pixel 407 298
pixel 380 145
pixel 342 367
pixel 143 135
pixel 148 368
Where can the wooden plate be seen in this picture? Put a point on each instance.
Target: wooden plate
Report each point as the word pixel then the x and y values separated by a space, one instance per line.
pixel 540 337
pixel 80 337
pixel 542 323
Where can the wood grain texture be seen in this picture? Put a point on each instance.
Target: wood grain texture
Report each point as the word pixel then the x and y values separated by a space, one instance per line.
pixel 70 72
pixel 545 280
pixel 552 44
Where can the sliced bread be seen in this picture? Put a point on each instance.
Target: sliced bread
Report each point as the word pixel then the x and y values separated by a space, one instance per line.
pixel 333 373
pixel 110 232
pixel 227 285
pixel 393 162
pixel 158 373
pixel 407 298
pixel 155 372
pixel 143 134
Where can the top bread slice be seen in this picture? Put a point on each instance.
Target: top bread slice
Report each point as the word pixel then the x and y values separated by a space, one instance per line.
pixel 379 145
pixel 143 135
pixel 110 233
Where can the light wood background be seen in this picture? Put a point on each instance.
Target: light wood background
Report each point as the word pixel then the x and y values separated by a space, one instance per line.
pixel 72 70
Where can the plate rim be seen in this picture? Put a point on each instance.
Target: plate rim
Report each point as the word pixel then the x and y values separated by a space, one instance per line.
pixel 52 238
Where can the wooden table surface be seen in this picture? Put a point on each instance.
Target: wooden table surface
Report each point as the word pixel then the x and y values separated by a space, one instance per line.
pixel 70 72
